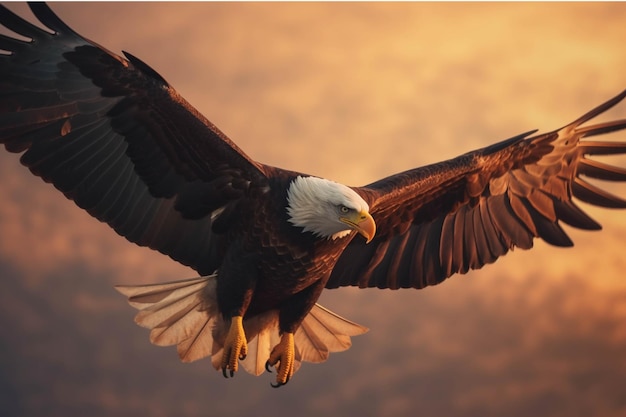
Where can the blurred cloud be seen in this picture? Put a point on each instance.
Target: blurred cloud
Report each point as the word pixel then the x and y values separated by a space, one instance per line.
pixel 352 92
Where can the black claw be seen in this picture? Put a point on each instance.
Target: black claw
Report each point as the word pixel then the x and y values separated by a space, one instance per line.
pixel 267 367
pixel 224 368
pixel 276 385
pixel 242 357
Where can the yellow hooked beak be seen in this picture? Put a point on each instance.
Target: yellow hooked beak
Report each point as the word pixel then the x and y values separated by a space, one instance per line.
pixel 362 222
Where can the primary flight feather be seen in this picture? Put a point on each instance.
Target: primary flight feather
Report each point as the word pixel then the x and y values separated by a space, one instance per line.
pixel 112 135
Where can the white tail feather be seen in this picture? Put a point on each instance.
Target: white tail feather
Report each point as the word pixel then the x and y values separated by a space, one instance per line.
pixel 322 332
pixel 262 335
pixel 184 313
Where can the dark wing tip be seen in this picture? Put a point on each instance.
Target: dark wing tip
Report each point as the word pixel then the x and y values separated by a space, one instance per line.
pixel 44 13
pixel 145 68
pixel 496 147
pixel 17 24
pixel 600 109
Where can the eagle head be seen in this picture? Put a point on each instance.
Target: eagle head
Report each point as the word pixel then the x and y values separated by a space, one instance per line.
pixel 328 209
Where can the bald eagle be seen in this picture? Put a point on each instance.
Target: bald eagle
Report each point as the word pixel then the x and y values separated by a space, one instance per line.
pixel 112 135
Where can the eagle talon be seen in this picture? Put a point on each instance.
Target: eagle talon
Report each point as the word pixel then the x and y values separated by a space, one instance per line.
pixel 235 347
pixel 280 384
pixel 282 355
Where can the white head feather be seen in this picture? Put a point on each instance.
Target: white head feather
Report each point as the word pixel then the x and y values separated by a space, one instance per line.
pixel 315 204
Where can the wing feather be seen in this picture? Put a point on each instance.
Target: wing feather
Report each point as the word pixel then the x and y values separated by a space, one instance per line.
pixel 591 194
pixel 496 244
pixel 464 213
pixel 112 135
pixel 482 233
pixel 599 170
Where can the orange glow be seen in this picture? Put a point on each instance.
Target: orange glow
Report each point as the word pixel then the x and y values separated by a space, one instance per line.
pixel 351 92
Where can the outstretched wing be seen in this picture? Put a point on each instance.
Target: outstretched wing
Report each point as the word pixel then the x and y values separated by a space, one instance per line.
pixel 116 138
pixel 464 213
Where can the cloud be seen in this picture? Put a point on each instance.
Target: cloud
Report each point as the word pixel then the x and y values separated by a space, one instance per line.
pixel 351 92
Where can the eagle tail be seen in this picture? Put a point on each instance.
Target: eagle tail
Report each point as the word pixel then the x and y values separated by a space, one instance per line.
pixel 184 313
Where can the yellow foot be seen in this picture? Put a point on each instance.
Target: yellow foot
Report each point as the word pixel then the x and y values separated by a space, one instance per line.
pixel 283 354
pixel 235 347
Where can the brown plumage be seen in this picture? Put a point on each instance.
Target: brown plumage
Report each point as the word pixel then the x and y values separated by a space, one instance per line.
pixel 116 138
pixel 466 212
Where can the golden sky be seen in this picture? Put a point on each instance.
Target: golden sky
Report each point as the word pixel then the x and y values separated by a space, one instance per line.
pixel 352 92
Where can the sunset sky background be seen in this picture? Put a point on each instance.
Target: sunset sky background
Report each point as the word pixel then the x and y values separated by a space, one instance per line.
pixel 351 92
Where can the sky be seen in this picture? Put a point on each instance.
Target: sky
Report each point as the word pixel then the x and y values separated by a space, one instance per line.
pixel 352 92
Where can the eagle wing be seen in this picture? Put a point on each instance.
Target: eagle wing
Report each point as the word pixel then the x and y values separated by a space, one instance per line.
pixel 466 212
pixel 115 137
